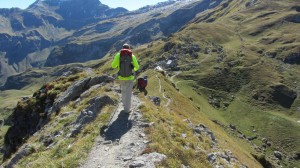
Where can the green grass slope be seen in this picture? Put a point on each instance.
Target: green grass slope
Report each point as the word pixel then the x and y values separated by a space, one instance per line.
pixel 241 72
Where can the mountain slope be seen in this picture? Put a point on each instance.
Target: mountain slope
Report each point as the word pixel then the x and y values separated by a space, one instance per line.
pixel 98 39
pixel 28 36
pixel 230 83
pixel 51 33
pixel 234 59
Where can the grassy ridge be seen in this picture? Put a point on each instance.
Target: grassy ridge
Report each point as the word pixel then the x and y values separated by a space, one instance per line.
pixel 242 53
pixel 170 123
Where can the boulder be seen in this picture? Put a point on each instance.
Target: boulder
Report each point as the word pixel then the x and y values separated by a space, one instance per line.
pixel 278 155
pixel 252 138
pixel 264 140
pixel 232 126
pixel 212 158
pixel 211 135
pixel 156 100
pixel 148 160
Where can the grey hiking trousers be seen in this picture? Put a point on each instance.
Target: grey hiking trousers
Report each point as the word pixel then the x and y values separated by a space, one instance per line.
pixel 126 89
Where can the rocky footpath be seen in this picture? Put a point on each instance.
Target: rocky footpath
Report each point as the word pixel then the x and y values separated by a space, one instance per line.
pixel 123 142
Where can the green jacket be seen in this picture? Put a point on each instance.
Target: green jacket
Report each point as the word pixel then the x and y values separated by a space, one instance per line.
pixel 116 64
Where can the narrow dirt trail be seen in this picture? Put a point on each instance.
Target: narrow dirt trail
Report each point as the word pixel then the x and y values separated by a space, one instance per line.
pixel 122 142
pixel 163 93
pixel 172 77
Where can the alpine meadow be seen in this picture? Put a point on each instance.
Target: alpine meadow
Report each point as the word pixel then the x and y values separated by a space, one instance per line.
pixel 222 89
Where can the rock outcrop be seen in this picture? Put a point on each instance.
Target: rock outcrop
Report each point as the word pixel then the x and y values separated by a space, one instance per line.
pixel 75 90
pixel 25 151
pixel 90 113
pixel 34 112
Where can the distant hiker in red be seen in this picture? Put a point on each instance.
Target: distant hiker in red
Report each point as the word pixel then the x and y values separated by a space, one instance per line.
pixel 142 83
pixel 126 63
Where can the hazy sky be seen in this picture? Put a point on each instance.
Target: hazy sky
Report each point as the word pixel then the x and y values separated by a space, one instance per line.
pixel 128 4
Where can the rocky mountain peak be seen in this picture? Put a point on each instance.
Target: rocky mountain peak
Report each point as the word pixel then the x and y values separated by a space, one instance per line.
pixel 63 2
pixel 78 9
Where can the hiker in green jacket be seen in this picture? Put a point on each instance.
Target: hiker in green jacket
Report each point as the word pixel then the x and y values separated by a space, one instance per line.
pixel 126 63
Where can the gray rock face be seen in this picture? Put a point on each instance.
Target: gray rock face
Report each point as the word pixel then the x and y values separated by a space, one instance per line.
pixel 90 113
pixel 77 89
pixel 27 150
pixel 77 13
pixel 72 92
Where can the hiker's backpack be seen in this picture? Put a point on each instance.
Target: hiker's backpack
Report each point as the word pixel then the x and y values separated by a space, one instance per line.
pixel 125 63
pixel 142 83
